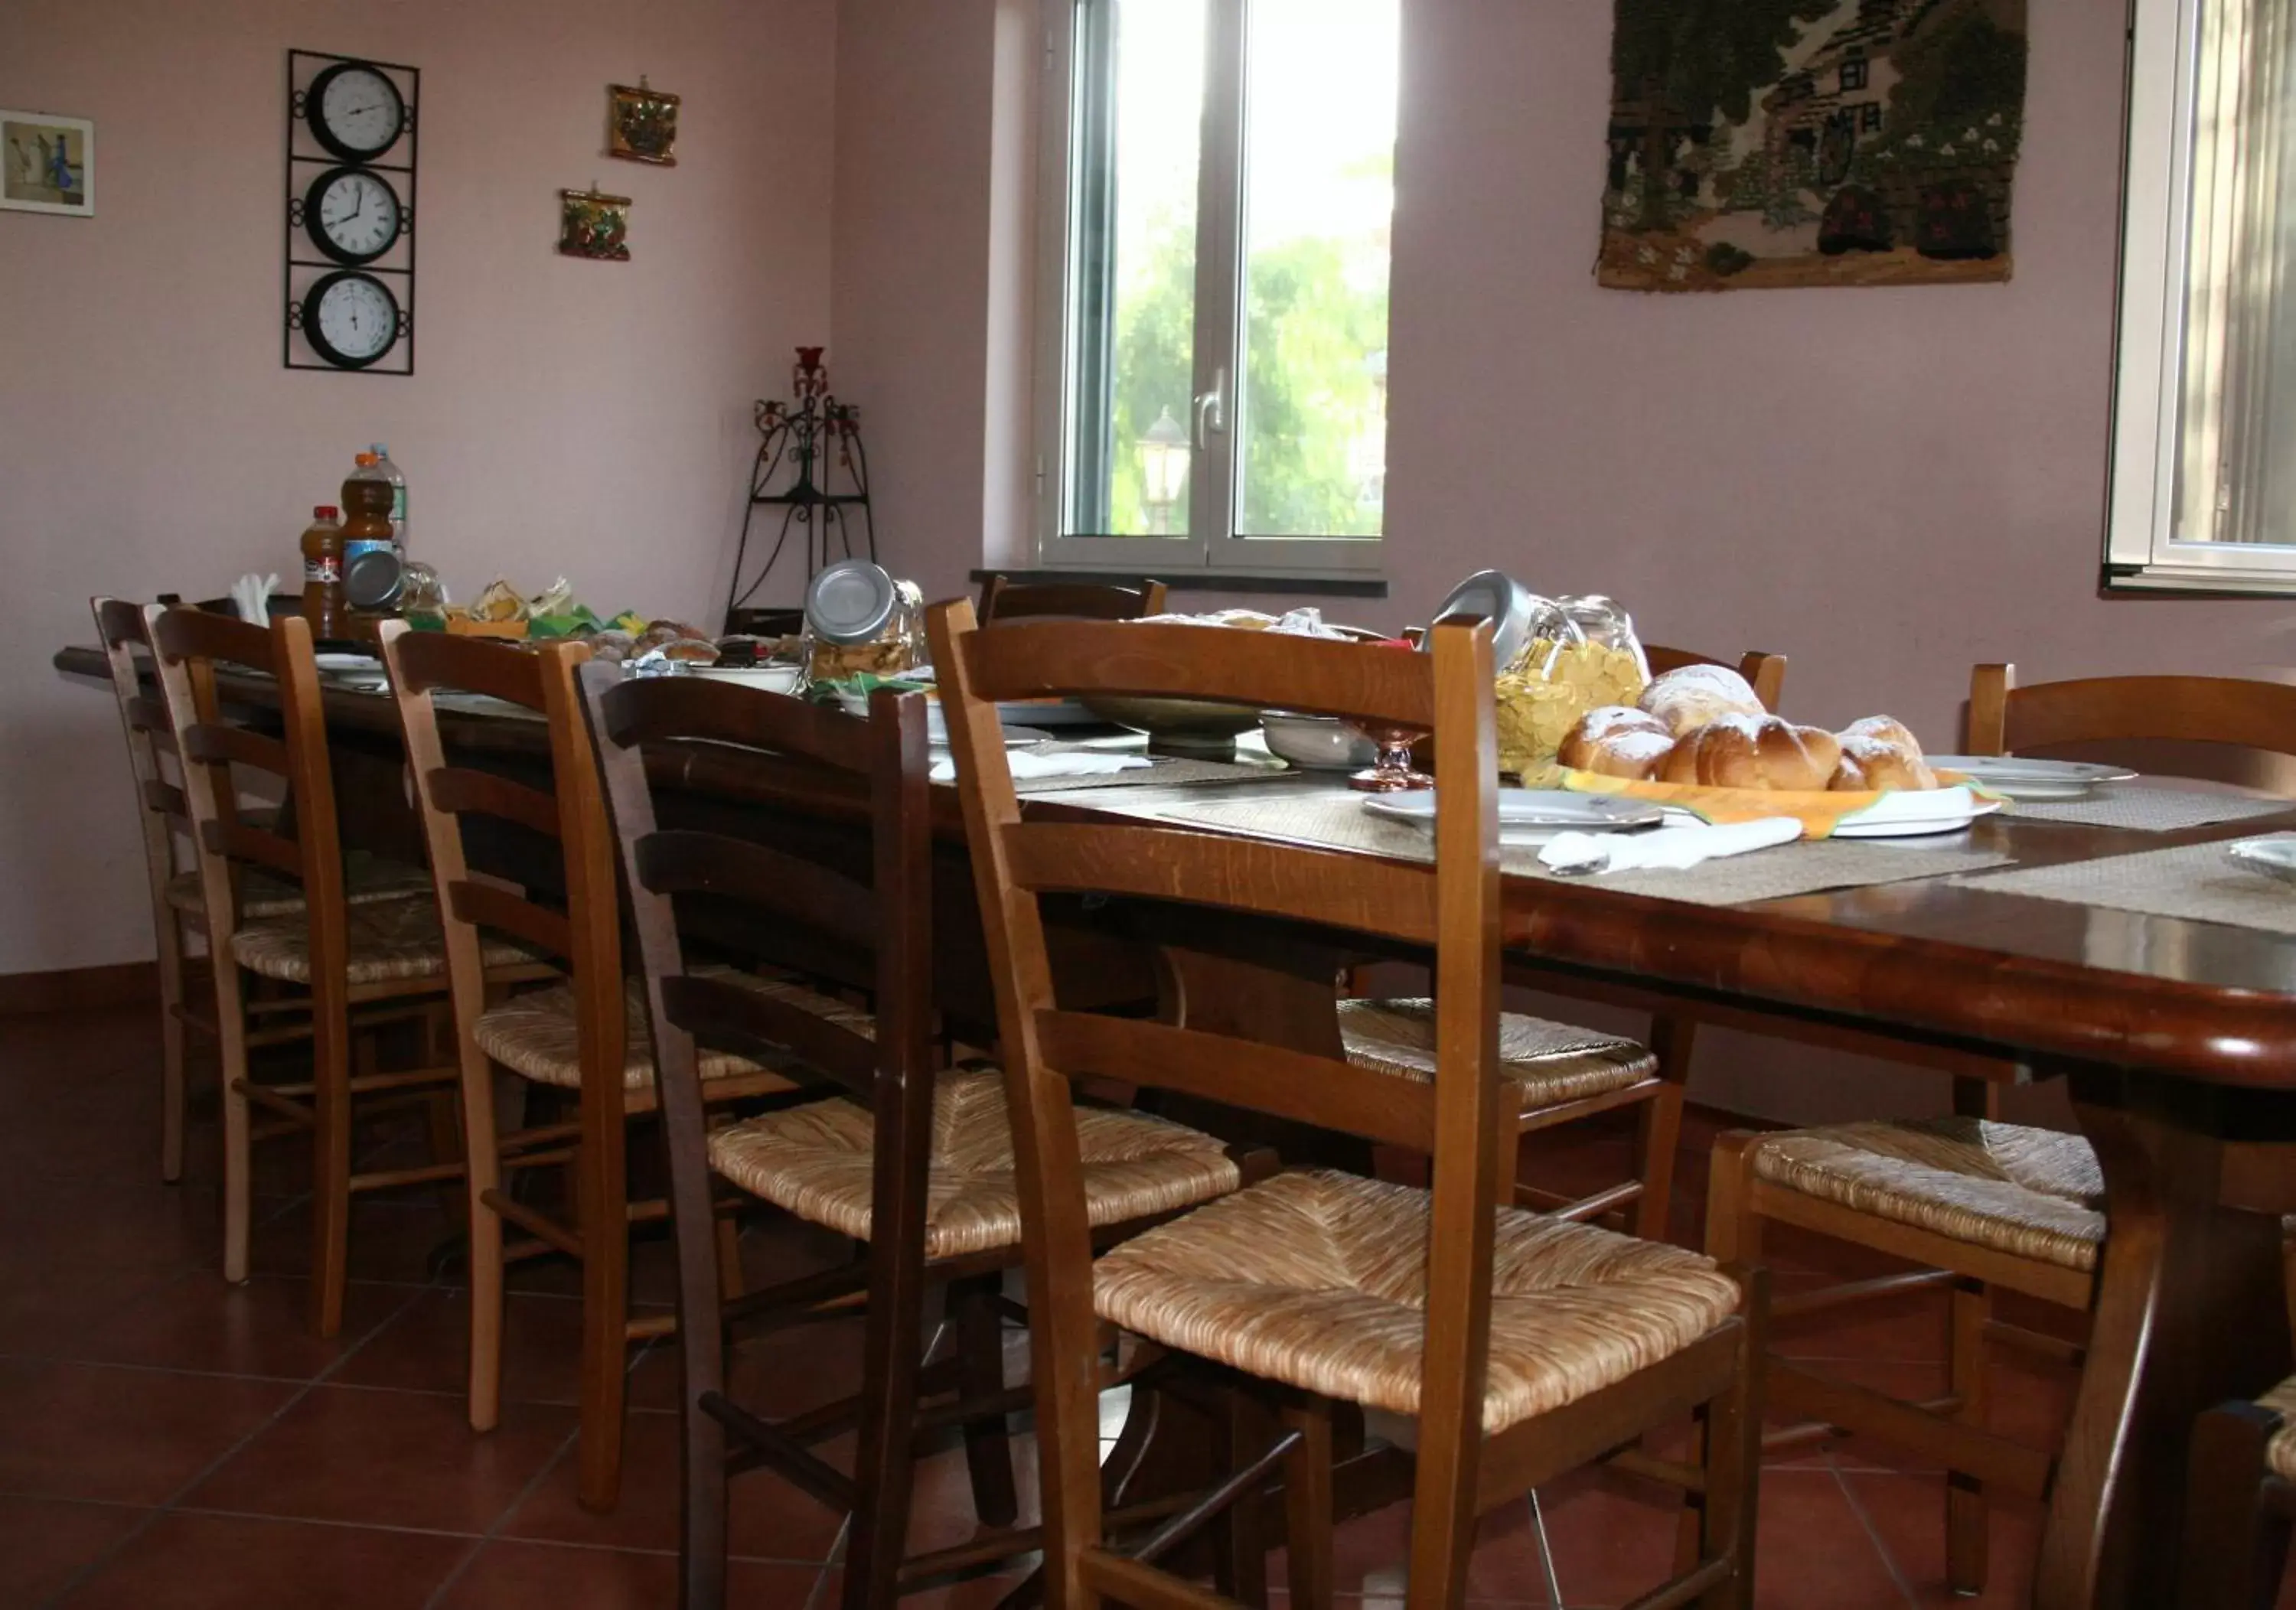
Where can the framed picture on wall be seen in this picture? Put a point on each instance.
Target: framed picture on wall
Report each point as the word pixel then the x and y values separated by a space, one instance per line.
pixel 47 163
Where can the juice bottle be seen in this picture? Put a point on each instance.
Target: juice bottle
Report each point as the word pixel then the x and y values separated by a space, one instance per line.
pixel 322 574
pixel 370 571
pixel 397 479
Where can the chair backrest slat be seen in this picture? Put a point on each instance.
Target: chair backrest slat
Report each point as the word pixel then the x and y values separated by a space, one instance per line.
pixel 490 906
pixel 689 708
pixel 1035 659
pixel 720 1013
pixel 675 862
pixel 237 841
pixel 1246 874
pixel 460 791
pixel 1004 600
pixel 164 799
pixel 146 714
pixel 213 743
pixel 144 722
pixel 1766 674
pixel 2238 712
pixel 1265 1078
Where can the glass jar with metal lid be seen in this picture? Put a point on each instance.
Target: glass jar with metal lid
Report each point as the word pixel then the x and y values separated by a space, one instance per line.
pixel 859 620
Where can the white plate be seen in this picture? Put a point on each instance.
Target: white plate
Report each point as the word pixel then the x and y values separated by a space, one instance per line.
pixel 774 679
pixel 2274 857
pixel 336 662
pixel 1061 713
pixel 2019 777
pixel 1913 812
pixel 1528 816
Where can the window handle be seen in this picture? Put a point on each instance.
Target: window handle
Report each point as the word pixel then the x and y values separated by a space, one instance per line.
pixel 1211 410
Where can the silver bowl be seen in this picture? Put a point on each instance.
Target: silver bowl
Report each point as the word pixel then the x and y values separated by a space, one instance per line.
pixel 1316 743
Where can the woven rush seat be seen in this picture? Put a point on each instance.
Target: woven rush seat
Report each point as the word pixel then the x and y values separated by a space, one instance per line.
pixel 389 940
pixel 366 879
pixel 535 1035
pixel 816 1161
pixel 2033 1193
pixel 1549 1063
pixel 1318 1279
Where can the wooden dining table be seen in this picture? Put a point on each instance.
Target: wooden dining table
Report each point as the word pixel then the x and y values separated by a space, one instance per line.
pixel 2176 1038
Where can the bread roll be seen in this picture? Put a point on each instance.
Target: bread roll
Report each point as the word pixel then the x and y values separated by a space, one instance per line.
pixel 1887 728
pixel 1695 694
pixel 1753 752
pixel 1616 742
pixel 1870 764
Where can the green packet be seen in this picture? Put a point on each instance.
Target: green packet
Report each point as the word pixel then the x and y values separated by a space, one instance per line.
pixel 864 682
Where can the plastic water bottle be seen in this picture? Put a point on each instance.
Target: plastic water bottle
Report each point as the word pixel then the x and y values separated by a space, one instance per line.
pixel 397 479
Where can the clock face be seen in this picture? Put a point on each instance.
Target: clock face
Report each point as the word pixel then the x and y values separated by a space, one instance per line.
pixel 351 214
pixel 351 319
pixel 355 112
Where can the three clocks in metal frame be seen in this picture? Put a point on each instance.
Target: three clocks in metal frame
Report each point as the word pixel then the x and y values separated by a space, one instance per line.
pixel 351 146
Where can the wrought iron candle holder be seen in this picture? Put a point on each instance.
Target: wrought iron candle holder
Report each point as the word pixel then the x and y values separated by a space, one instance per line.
pixel 812 467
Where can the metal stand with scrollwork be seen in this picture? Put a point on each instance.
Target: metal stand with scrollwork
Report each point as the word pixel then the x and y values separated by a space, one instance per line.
pixel 811 467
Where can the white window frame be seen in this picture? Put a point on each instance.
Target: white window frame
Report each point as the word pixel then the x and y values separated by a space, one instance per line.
pixel 1214 423
pixel 2169 53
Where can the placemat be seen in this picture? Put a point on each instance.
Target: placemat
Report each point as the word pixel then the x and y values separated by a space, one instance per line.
pixel 2196 881
pixel 1802 868
pixel 2150 808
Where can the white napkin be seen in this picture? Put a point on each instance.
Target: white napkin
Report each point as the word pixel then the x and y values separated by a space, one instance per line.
pixel 1026 763
pixel 251 595
pixel 1669 849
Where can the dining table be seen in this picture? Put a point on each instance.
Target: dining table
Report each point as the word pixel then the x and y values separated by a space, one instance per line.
pixel 2175 1037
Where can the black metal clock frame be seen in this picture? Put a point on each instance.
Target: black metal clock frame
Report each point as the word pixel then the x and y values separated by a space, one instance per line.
pixel 304 250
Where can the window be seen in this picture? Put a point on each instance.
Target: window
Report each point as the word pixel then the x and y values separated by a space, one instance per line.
pixel 1853 74
pixel 1212 369
pixel 2204 419
pixel 1869 117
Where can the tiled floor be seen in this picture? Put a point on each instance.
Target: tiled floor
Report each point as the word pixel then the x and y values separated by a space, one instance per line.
pixel 171 1441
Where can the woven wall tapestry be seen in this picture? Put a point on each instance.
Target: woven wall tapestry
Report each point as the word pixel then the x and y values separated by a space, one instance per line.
pixel 1779 143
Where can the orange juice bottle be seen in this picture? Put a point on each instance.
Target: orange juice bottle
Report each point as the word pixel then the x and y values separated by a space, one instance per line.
pixel 323 573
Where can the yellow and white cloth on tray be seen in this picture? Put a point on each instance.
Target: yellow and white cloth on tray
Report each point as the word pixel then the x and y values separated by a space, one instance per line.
pixel 1819 813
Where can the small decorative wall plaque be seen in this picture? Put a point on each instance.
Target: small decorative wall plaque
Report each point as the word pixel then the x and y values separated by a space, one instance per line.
pixel 642 123
pixel 47 164
pixel 595 225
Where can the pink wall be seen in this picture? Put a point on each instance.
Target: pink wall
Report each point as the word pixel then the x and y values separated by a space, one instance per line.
pixel 568 417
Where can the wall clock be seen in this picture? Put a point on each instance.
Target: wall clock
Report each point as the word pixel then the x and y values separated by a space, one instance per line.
pixel 352 215
pixel 354 111
pixel 351 319
pixel 354 134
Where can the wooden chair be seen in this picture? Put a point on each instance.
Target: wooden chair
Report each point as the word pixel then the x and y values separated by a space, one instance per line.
pixel 1765 672
pixel 1002 599
pixel 338 970
pixel 1321 1285
pixel 1560 1073
pixel 2240 1503
pixel 585 1036
pixel 178 911
pixel 918 1166
pixel 1977 1203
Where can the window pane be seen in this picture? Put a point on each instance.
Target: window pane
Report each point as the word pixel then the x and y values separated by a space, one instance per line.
pixel 1139 114
pixel 2237 481
pixel 1319 196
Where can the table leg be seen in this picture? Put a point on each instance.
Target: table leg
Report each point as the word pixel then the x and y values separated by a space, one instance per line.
pixel 2189 1311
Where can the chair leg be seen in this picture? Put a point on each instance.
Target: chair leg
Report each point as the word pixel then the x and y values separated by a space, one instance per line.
pixel 602 1203
pixel 1658 1126
pixel 330 1168
pixel 1966 1519
pixel 987 1445
pixel 1239 1540
pixel 884 1467
pixel 482 1149
pixel 171 1049
pixel 230 1050
pixel 1309 1577
pixel 2234 1548
pixel 1733 1452
pixel 1733 1237
pixel 702 1351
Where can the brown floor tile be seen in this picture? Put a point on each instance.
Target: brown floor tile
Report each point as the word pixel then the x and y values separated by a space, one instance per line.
pixel 1371 1556
pixel 391 1238
pixel 982 1593
pixel 130 1436
pixel 261 1328
pixel 426 1348
pixel 45 1542
pixel 770 1520
pixel 543 1576
pixel 390 1458
pixel 47 1302
pixel 783 1372
pixel 1612 1538
pixel 201 1562
pixel 1908 1512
